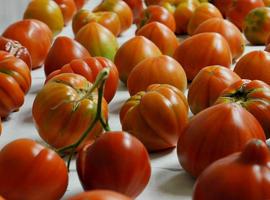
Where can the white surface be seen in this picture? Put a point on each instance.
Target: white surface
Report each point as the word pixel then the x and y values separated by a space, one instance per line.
pixel 168 180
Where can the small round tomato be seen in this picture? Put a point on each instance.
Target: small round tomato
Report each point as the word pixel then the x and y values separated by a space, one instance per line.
pixel 100 195
pixel 31 171
pixel 68 9
pixel 46 11
pixel 115 161
pixel 34 35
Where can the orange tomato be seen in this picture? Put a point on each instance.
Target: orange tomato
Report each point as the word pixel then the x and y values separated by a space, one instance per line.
pixel 68 8
pixel 223 5
pixel 80 3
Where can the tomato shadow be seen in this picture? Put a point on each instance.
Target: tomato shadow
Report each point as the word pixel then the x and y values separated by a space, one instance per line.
pixel 116 105
pixel 159 154
pixel 35 88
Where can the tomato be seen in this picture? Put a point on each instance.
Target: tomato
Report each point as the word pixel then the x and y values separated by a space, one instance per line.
pixel 34 35
pixel 121 9
pixel 63 110
pixel 203 50
pixel 208 85
pixel 202 13
pixel 215 133
pixel 31 171
pixel 156 116
pixel 89 68
pixel 46 11
pixel 109 20
pixel 161 69
pixel 266 2
pixel 238 176
pixel 161 36
pixel 223 5
pixel 98 40
pixel 68 9
pixel 63 51
pixel 80 3
pixel 239 9
pixel 136 7
pixel 15 82
pixel 252 95
pixel 159 14
pixel 116 161
pixel 131 53
pixel 100 195
pixel 254 65
pixel 234 37
pixel 256 25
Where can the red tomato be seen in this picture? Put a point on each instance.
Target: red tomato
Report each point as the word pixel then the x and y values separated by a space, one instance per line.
pixel 161 36
pixel 115 161
pixel 63 110
pixel 100 195
pixel 208 85
pixel 89 68
pixel 201 50
pixel 234 37
pixel 68 8
pixel 34 35
pixel 156 116
pixel 131 53
pixel 136 7
pixel 254 65
pixel 63 51
pixel 223 5
pixel 214 133
pixel 80 3
pixel 30 171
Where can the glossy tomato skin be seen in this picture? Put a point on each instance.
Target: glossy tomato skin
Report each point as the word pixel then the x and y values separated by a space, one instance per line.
pixel 136 7
pixel 62 112
pixel 16 49
pixel 208 85
pixel 239 10
pixel 100 195
pixel 63 51
pixel 157 125
pixel 68 9
pixel 215 133
pixel 254 65
pixel 161 36
pixel 157 70
pixel 237 176
pixel 223 5
pixel 105 44
pixel 34 35
pixel 228 30
pixel 115 161
pixel 253 96
pixel 121 9
pixel 213 50
pixel 131 53
pixel 109 20
pixel 89 68
pixel 22 155
pixel 46 11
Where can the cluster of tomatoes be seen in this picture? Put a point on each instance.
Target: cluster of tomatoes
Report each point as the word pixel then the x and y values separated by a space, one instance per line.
pixel 231 107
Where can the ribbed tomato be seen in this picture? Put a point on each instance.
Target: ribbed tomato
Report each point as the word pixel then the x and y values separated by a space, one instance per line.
pixel 68 8
pixel 64 109
pixel 100 195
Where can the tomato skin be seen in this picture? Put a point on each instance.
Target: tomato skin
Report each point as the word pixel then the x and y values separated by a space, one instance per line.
pixel 63 51
pixel 157 125
pixel 89 68
pixel 116 161
pixel 254 66
pixel 161 36
pixel 213 50
pixel 125 58
pixel 61 116
pixel 120 8
pixel 105 43
pixel 253 96
pixel 223 5
pixel 157 70
pixel 266 2
pixel 68 9
pixel 46 11
pixel 34 35
pixel 136 7
pixel 234 37
pixel 109 20
pixel 208 85
pixel 100 195
pixel 79 3
pixel 214 133
pixel 22 155
pixel 242 175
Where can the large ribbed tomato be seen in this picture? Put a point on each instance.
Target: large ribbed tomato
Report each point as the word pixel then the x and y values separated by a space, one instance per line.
pixel 89 68
pixel 15 81
pixel 64 109
pixel 156 116
pixel 99 195
pixel 31 171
